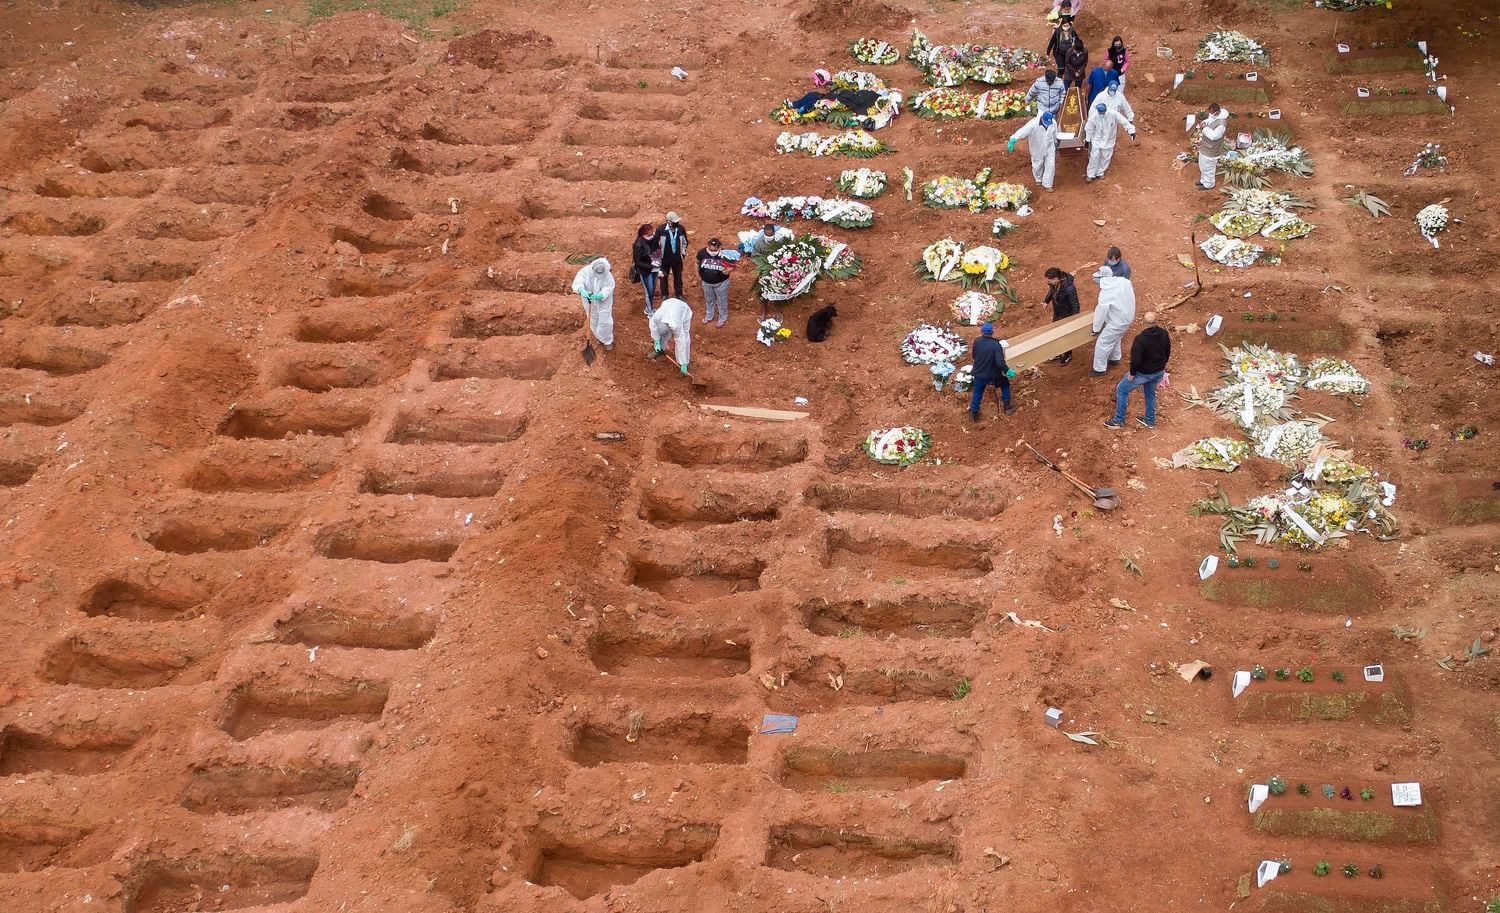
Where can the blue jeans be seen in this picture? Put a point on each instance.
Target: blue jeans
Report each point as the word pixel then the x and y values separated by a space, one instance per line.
pixel 1122 394
pixel 648 282
pixel 978 395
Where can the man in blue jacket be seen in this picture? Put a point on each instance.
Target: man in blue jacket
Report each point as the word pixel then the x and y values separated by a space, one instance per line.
pixel 990 370
pixel 1099 79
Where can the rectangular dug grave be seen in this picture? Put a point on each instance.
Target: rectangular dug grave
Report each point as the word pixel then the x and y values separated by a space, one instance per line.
pixel 1333 587
pixel 1404 886
pixel 696 581
pixel 238 789
pixel 812 769
pixel 216 883
pixel 731 450
pixel 916 617
pixel 640 738
pixel 589 868
pixel 971 502
pixel 685 655
pixel 77 754
pixel 839 852
pixel 887 557
pixel 258 709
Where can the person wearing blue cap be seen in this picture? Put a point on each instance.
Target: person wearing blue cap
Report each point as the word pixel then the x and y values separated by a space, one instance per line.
pixel 1099 133
pixel 1114 96
pixel 990 370
pixel 1040 134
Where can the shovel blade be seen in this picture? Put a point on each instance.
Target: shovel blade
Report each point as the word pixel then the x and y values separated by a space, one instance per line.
pixel 1106 493
pixel 1106 503
pixel 588 353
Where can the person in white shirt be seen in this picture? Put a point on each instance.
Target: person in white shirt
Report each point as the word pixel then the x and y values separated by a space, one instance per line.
pixel 1211 146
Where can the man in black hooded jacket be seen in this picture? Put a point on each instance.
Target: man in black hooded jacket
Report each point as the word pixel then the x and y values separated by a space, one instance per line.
pixel 1064 300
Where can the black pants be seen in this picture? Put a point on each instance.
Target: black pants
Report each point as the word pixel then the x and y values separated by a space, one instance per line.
pixel 673 272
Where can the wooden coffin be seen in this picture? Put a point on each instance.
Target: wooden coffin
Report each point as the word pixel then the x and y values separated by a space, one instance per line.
pixel 1033 347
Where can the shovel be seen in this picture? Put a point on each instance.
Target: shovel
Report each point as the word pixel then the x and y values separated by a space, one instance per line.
pixel 1104 498
pixel 588 340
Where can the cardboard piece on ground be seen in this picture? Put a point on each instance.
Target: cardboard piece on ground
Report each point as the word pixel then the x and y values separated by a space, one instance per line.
pixel 1033 347
pixel 777 722
pixel 775 415
pixel 1189 671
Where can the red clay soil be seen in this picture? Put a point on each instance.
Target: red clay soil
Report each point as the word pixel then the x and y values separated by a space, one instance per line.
pixel 321 594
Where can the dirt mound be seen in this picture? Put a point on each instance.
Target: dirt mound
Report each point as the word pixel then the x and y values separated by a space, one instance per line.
pixel 354 43
pixel 493 49
pixel 841 14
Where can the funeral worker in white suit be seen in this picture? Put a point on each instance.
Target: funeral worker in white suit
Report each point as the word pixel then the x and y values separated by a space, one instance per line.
pixel 1114 96
pixel 673 321
pixel 1113 316
pixel 1211 146
pixel 1099 132
pixel 596 284
pixel 1040 134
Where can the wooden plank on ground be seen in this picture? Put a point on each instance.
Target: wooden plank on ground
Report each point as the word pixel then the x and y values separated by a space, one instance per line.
pixel 1033 347
pixel 775 415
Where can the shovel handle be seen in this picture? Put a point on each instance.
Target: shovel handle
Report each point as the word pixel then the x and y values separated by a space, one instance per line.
pixel 1038 454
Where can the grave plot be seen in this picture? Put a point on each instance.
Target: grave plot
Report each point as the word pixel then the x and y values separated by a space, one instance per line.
pixel 589 867
pixel 469 411
pixel 74 301
pixel 59 352
pixel 435 471
pixel 694 581
pixel 321 626
pixel 287 414
pixel 388 542
pixel 436 159
pixel 1342 588
pixel 1462 502
pixel 808 768
pixel 260 708
pixel 115 660
pixel 1363 880
pixel 519 313
pixel 222 882
pixel 1418 350
pixel 971 501
pixel 505 357
pixel 1314 693
pixel 915 617
pixel 738 449
pixel 238 185
pixel 242 789
pixel 677 654
pixel 192 534
pixel 1394 246
pixel 76 752
pixel 188 222
pixel 249 465
pixel 28 404
pixel 323 368
pixel 32 846
pixel 823 684
pixel 837 852
pixel 58 218
pixel 533 273
pixel 688 504
pixel 651 737
pixel 878 554
pixel 1365 810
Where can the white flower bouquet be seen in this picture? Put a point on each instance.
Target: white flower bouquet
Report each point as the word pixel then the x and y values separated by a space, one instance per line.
pixel 1289 443
pixel 1230 44
pixel 863 183
pixel 929 344
pixel 974 308
pixel 1221 454
pixel 1231 251
pixel 1432 221
pixel 1335 375
pixel 1263 365
pixel 874 51
pixel 1002 227
pixel 1003 195
pixel 900 446
pixel 941 258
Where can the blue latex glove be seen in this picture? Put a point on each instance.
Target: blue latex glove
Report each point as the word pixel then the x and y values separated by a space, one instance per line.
pixel 657 344
pixel 1010 146
pixel 1010 372
pixel 684 368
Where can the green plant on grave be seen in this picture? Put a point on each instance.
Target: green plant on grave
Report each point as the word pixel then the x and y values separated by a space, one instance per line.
pixel 1303 789
pixel 1338 675
pixel 1303 565
pixel 1321 869
pixel 1283 674
pixel 838 786
pixel 1277 786
pixel 640 84
pixel 962 689
pixel 1248 561
pixel 1351 870
pixel 1493 906
pixel 1328 791
pixel 1367 793
pixel 1258 672
pixel 1305 674
pixel 1376 871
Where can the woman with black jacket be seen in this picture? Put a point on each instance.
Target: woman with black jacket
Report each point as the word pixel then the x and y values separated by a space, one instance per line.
pixel 1119 55
pixel 1063 297
pixel 1063 39
pixel 645 262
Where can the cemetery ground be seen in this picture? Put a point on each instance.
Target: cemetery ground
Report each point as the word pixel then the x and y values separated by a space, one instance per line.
pixel 321 593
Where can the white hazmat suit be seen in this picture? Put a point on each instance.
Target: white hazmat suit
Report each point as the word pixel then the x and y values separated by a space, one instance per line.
pixel 596 284
pixel 1210 148
pixel 674 319
pixel 1114 96
pixel 1113 316
pixel 1041 139
pixel 1100 132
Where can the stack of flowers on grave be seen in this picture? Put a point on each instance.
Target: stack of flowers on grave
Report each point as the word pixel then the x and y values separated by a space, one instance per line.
pixel 900 446
pixel 1330 495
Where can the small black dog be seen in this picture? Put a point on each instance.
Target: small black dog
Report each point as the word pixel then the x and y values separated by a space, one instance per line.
pixel 820 323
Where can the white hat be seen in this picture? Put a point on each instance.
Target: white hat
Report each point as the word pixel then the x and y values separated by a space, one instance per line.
pixel 673 217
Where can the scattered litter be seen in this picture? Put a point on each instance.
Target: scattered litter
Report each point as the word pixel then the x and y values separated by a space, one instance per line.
pixel 1195 669
pixel 1028 623
pixel 1240 683
pixel 453 204
pixel 612 436
pixel 1186 261
pixel 1247 294
pixel 1207 568
pixel 1267 871
pixel 1000 861
pixel 800 401
pixel 312 654
pixel 679 72
pixel 1212 327
pixel 1053 716
pixel 1057 524
pixel 1119 603
pixel 1100 222
pixel 777 722
pixel 1482 358
pixel 1084 737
